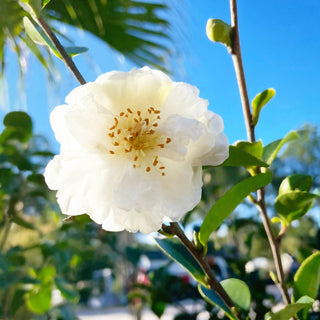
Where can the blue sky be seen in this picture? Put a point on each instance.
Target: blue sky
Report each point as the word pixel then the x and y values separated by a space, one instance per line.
pixel 280 46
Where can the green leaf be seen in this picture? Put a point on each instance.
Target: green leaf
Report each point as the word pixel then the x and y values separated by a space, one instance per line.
pixel 137 29
pixel 44 3
pixel 229 201
pixel 290 310
pixel 38 36
pixel 238 291
pixel 17 301
pixel 33 7
pixel 295 182
pixel 259 101
pixel 22 223
pixel 74 51
pixel 271 150
pixel 239 157
pixel 307 278
pixel 18 126
pixel 293 205
pixel 39 300
pixel 176 251
pixel 67 290
pixel 46 274
pixel 18 119
pixel 254 148
pixel 212 297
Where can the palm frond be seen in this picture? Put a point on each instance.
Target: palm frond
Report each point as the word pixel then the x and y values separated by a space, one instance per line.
pixel 133 28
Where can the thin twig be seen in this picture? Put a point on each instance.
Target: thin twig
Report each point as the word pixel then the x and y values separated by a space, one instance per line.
pixel 214 284
pixel 238 66
pixel 65 57
pixel 260 203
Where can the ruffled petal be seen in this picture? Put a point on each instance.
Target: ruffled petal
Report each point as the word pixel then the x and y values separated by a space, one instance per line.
pixel 136 89
pixel 184 100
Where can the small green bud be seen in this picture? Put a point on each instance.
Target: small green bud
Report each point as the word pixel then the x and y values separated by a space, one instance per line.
pixel 197 243
pixel 219 31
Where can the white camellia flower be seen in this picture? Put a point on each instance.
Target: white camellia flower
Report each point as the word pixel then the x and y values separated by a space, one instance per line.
pixel 132 149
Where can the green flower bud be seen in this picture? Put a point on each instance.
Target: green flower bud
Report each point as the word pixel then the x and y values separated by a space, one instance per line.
pixel 219 31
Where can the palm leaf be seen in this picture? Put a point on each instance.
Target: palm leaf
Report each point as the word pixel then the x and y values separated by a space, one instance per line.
pixel 131 27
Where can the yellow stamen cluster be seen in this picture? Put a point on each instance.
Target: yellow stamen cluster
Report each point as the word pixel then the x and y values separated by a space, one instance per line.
pixel 134 135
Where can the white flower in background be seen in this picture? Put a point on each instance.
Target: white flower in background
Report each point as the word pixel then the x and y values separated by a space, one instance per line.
pixel 132 150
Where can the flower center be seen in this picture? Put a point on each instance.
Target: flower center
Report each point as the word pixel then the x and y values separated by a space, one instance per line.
pixel 134 135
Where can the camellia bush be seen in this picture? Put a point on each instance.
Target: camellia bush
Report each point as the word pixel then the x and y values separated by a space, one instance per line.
pixel 133 148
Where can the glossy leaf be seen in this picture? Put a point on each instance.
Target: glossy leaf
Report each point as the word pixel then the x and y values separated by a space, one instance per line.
pixel 290 310
pixel 259 101
pixel 39 300
pixel 307 278
pixel 253 148
pixel 295 182
pixel 293 205
pixel 238 291
pixel 241 158
pixel 176 251
pixel 212 297
pixel 229 201
pixel 271 150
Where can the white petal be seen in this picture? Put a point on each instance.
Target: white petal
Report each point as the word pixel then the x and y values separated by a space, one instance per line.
pixel 184 100
pixel 181 130
pixel 212 148
pixel 137 89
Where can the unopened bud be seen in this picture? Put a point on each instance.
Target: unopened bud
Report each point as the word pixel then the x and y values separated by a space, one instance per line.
pixel 219 31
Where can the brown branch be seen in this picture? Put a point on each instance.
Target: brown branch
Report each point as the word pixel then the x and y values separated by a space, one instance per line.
pixel 65 57
pixel 214 284
pixel 238 66
pixel 235 51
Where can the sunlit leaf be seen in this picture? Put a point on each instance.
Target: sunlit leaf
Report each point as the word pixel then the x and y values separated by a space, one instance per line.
pixel 46 274
pixel 33 7
pixel 253 148
pixel 295 182
pixel 307 278
pixel 238 291
pixel 176 251
pixel 271 150
pixel 290 310
pixel 294 204
pixel 259 101
pixel 38 36
pixel 229 201
pixel 39 300
pixel 239 157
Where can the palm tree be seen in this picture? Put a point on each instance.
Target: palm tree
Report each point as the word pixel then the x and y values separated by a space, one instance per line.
pixel 134 28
